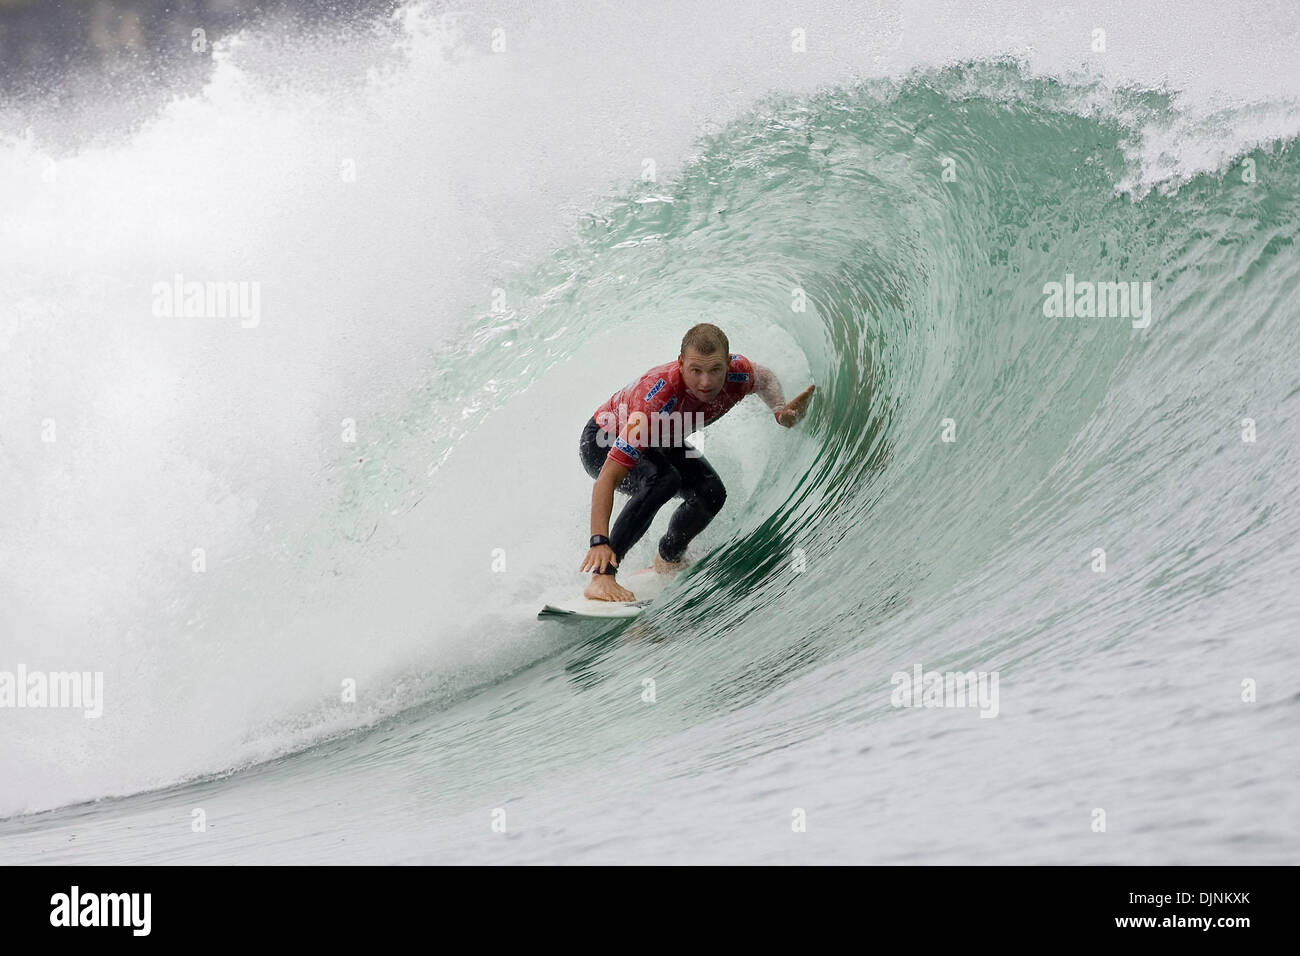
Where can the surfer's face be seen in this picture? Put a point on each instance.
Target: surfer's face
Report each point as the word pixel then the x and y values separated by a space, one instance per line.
pixel 703 374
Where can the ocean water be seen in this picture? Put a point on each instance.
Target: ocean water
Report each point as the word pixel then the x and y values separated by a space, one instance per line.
pixel 306 552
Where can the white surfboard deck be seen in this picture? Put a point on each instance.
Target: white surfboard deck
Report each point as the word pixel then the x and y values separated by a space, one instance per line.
pixel 645 584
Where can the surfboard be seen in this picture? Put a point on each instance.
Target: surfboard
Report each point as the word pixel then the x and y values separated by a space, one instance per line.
pixel 645 584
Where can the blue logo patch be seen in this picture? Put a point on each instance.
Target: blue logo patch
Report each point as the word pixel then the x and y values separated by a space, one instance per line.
pixel 737 376
pixel 626 449
pixel 668 406
pixel 659 385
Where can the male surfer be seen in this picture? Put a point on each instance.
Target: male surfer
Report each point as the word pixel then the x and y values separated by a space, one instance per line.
pixel 699 388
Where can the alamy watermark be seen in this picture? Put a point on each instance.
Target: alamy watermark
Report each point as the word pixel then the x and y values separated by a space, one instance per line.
pixel 129 910
pixel 921 688
pixel 1098 300
pixel 36 689
pixel 666 429
pixel 179 299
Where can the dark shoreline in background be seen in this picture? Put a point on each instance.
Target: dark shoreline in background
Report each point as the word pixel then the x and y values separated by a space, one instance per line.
pixel 61 52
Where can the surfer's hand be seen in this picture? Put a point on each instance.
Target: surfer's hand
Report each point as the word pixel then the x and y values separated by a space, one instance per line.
pixel 793 410
pixel 598 559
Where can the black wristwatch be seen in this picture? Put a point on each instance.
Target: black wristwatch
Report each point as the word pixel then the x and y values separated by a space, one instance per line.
pixel 598 539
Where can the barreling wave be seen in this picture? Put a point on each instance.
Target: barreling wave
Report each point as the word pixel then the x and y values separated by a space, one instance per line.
pixel 967 462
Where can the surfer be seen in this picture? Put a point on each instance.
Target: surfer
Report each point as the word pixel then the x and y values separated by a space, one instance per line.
pixel 618 449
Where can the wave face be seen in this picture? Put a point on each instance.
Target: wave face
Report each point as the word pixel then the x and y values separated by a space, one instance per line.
pixel 1101 509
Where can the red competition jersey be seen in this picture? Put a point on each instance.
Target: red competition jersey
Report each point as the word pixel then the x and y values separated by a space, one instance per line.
pixel 657 394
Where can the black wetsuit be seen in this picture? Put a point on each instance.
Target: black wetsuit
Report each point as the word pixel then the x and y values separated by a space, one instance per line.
pixel 660 474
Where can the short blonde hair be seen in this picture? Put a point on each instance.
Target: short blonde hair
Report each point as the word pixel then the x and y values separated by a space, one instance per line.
pixel 706 339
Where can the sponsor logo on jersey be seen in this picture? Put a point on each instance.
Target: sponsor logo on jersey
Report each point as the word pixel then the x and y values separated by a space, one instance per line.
pixel 659 386
pixel 626 449
pixel 737 376
pixel 668 406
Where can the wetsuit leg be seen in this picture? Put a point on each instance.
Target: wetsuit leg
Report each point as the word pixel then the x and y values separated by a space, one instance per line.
pixel 703 496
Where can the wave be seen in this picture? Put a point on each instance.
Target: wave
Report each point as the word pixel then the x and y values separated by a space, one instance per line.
pixel 890 240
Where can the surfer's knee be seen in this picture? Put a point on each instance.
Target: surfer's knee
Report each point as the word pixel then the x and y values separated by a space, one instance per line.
pixel 713 495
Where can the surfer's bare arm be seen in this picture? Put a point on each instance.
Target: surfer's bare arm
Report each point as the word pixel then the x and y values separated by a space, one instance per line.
pixel 602 557
pixel 768 388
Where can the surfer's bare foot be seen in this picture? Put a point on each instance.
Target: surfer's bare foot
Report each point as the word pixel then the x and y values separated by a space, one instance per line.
pixel 664 566
pixel 603 587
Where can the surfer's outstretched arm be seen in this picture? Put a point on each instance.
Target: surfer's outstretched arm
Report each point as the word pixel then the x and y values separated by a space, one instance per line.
pixel 768 388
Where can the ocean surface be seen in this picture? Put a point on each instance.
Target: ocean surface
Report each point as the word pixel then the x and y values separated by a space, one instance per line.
pixel 306 552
